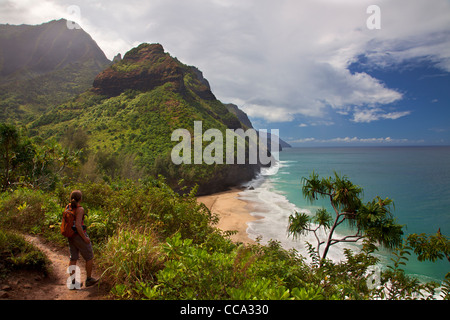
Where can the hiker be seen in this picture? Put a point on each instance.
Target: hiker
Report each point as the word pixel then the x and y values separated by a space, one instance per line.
pixel 79 242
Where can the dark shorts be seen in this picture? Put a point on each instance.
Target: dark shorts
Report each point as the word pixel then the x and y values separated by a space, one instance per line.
pixel 77 246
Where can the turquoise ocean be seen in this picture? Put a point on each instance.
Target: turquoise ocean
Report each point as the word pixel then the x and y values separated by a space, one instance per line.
pixel 416 178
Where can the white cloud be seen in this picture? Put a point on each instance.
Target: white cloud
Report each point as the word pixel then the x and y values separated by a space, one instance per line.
pixel 267 112
pixel 316 123
pixel 30 12
pixel 374 114
pixel 356 140
pixel 277 59
pixel 303 140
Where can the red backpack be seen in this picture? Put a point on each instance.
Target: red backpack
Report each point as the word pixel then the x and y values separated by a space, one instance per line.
pixel 68 221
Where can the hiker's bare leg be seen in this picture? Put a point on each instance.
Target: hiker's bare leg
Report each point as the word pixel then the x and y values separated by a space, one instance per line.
pixel 89 265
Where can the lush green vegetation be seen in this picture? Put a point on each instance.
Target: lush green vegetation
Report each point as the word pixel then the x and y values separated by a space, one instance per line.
pixel 32 163
pixel 153 243
pixel 17 254
pixel 136 126
pixel 25 99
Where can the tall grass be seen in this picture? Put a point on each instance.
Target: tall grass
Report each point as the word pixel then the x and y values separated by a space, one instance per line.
pixel 131 256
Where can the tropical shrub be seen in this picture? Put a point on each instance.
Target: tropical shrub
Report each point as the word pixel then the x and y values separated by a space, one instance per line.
pixel 194 272
pixel 31 211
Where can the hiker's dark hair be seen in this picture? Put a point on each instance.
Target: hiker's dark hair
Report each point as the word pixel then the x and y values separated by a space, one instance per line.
pixel 75 197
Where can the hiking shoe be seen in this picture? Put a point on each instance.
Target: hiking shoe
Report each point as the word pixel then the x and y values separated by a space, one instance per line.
pixel 90 281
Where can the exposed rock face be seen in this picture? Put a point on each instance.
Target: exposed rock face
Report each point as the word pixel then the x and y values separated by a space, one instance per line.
pixel 234 175
pixel 143 68
pixel 203 90
pixel 147 67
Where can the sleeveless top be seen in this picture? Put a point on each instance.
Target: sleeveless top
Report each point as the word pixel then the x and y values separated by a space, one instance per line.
pixel 74 228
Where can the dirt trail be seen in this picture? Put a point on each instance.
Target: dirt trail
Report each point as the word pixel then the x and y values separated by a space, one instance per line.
pixel 27 285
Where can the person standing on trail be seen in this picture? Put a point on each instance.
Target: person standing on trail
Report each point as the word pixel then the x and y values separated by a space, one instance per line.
pixel 80 243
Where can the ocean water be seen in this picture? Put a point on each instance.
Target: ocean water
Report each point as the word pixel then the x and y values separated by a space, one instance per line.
pixel 416 178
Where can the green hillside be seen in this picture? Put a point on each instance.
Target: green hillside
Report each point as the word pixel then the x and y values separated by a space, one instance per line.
pixel 44 65
pixel 131 112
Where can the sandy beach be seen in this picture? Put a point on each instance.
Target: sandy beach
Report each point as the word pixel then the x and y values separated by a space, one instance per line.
pixel 234 213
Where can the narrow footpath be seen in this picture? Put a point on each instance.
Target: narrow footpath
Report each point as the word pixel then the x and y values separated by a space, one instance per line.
pixel 26 285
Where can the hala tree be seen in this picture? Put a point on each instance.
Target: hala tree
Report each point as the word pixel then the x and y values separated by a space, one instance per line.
pixel 372 220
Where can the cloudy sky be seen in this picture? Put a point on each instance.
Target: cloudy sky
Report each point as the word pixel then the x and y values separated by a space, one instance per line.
pixel 317 70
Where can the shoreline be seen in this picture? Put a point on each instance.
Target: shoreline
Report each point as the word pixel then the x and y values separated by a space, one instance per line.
pixel 234 213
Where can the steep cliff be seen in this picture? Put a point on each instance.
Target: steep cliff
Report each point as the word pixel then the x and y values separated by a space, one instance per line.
pixel 147 67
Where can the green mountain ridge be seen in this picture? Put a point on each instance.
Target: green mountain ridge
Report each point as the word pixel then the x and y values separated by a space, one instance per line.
pixel 132 110
pixel 44 65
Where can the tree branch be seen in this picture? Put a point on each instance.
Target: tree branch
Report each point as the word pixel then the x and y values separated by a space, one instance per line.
pixel 343 219
pixel 346 239
pixel 332 204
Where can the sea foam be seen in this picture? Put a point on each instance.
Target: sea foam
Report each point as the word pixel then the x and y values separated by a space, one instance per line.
pixel 274 209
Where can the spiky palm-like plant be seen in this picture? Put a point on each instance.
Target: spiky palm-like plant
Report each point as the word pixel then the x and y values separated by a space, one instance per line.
pixel 372 220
